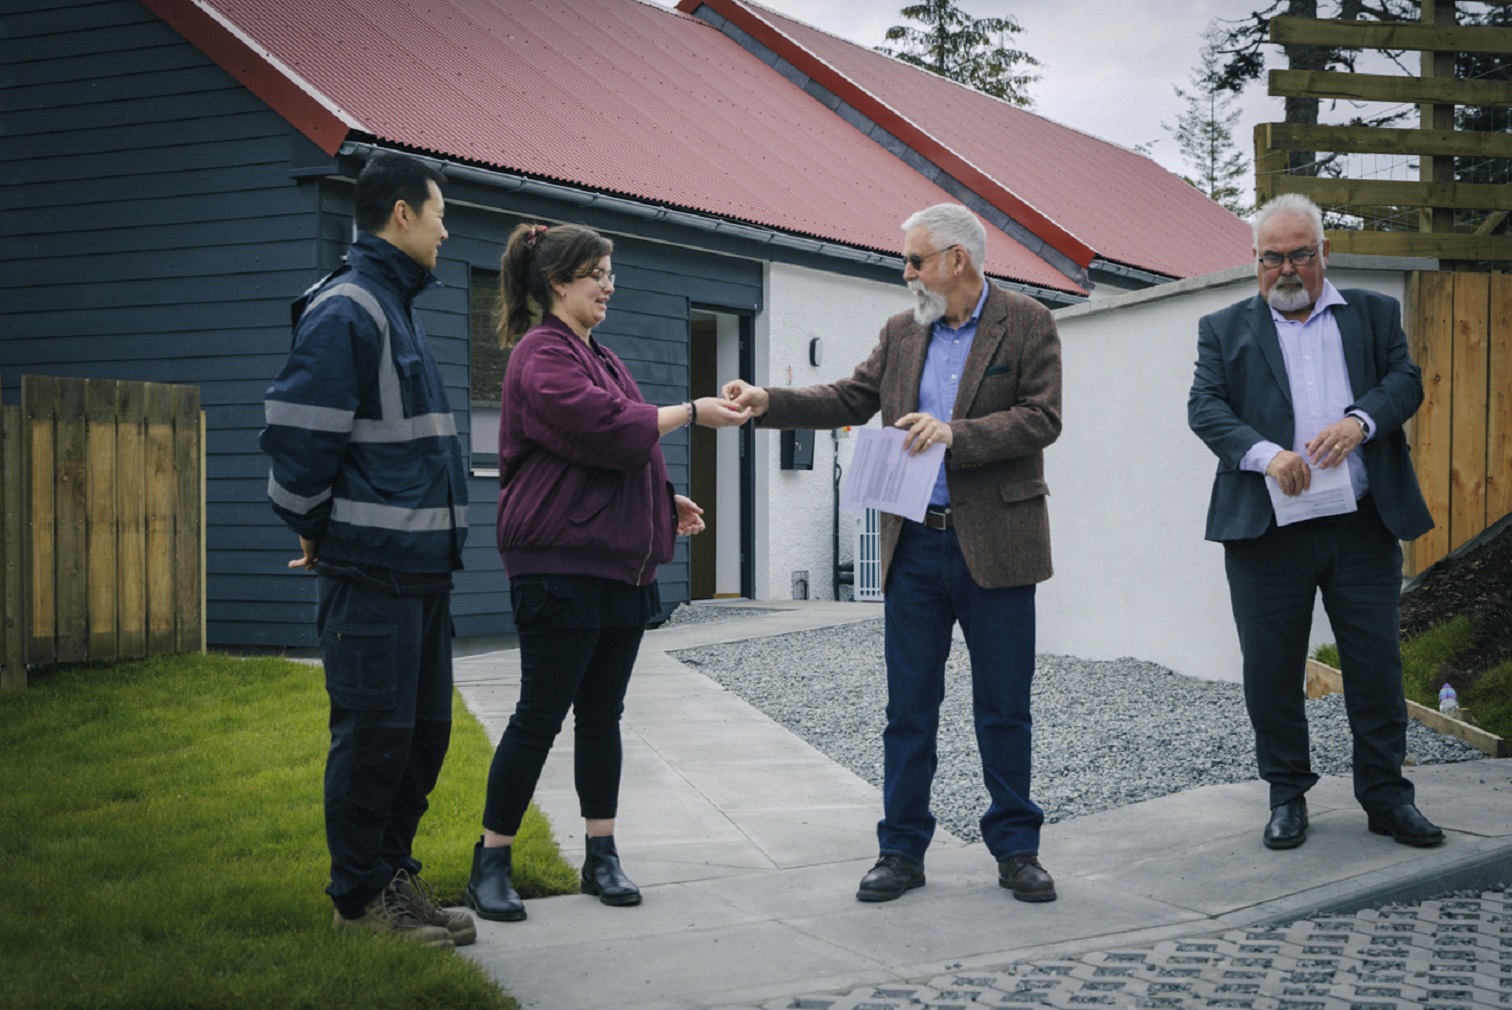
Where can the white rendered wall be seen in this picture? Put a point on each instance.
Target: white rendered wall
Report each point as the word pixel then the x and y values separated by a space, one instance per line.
pixel 1129 482
pixel 794 508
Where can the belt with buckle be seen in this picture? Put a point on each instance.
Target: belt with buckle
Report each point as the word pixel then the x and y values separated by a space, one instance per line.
pixel 938 519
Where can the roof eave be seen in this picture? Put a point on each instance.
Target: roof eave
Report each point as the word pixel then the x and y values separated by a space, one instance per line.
pixel 306 109
pixel 919 140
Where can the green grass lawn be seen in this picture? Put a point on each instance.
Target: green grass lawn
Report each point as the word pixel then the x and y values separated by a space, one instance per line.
pixel 163 846
pixel 1431 658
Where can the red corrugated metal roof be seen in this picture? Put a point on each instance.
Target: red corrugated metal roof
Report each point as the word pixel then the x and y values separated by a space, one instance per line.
pixel 1122 204
pixel 615 95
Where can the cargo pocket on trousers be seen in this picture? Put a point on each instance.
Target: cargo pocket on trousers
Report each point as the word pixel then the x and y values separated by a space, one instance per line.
pixel 362 665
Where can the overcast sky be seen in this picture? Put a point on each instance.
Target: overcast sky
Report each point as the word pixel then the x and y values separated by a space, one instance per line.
pixel 1108 65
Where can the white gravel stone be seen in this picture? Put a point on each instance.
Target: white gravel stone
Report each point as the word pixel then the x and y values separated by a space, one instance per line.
pixel 1106 733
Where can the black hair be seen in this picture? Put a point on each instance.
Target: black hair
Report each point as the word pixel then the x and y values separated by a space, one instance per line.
pixel 387 179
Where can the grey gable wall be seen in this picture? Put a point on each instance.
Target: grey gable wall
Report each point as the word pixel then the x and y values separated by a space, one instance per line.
pixel 152 231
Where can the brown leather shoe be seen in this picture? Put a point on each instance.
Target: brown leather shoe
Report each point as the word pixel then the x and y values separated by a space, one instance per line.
pixel 1028 880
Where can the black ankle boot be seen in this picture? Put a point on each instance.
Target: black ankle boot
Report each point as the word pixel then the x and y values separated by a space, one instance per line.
pixel 490 892
pixel 602 874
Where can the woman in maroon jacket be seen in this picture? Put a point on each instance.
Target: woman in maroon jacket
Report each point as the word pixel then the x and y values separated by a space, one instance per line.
pixel 586 513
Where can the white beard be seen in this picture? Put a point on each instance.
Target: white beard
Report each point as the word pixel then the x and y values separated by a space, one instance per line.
pixel 1289 298
pixel 928 306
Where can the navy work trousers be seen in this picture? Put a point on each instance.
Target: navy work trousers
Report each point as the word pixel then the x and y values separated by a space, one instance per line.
pixel 389 675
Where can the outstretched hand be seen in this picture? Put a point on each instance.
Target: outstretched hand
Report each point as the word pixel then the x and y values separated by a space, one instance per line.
pixel 714 412
pixel 743 394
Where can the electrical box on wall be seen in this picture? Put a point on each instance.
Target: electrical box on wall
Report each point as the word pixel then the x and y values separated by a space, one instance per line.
pixel 797 450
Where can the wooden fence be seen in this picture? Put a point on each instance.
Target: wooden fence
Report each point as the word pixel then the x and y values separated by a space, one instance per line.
pixel 1460 328
pixel 103 519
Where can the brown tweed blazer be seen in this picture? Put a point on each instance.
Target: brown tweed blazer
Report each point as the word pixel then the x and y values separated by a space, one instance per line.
pixel 1007 411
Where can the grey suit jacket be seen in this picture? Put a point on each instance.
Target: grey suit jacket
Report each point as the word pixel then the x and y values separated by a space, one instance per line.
pixel 1240 395
pixel 1006 411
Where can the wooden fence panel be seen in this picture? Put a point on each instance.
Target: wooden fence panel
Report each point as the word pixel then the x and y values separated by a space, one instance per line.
pixel 1431 315
pixel 188 530
pixel 102 512
pixel 104 536
pixel 37 406
pixel 1467 453
pixel 12 525
pixel 161 494
pixel 1499 405
pixel 131 517
pixel 70 532
pixel 1462 434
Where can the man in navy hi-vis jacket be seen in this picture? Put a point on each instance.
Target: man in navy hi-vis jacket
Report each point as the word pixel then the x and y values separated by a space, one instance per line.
pixel 367 470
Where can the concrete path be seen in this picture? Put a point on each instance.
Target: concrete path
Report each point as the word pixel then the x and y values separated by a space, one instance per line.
pixel 748 844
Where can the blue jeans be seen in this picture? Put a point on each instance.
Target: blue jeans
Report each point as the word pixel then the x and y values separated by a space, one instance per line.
pixel 928 591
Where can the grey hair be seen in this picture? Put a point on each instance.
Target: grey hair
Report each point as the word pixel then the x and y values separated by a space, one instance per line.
pixel 951 224
pixel 1290 203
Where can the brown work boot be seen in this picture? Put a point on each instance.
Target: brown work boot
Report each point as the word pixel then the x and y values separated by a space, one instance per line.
pixel 417 896
pixel 386 915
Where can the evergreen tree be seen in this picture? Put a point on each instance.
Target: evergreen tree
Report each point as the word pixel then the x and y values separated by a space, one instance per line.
pixel 1204 132
pixel 972 51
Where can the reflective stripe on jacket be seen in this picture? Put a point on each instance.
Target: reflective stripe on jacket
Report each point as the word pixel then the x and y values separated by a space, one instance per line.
pixel 366 461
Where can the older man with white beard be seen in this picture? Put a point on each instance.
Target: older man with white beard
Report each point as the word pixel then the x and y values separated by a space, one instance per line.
pixel 1306 378
pixel 977 369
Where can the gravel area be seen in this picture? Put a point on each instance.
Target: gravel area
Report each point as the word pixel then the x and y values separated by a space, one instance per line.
pixel 1105 733
pixel 687 613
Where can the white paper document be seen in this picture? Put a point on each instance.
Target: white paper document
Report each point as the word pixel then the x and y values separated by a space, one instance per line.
pixel 1328 494
pixel 883 476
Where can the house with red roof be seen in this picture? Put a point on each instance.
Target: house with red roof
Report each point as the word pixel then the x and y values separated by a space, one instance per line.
pixel 178 170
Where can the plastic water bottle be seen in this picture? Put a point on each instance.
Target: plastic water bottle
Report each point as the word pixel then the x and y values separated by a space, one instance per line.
pixel 1448 701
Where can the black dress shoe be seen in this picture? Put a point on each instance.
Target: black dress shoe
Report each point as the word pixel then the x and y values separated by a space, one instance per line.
pixel 1407 825
pixel 890 878
pixel 1028 880
pixel 1288 825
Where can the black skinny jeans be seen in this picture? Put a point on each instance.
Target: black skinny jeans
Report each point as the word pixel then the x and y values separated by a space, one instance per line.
pixel 587 670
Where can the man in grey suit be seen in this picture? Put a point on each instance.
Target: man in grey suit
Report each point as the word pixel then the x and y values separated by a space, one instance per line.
pixel 977 369
pixel 1302 378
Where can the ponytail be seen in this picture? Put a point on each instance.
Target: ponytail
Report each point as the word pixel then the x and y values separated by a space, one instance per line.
pixel 535 257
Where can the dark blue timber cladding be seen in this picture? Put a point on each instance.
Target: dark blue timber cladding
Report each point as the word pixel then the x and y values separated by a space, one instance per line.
pixel 158 218
pixel 152 232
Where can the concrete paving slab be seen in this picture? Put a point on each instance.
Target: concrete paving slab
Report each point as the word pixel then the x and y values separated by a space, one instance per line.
pixel 689 970
pixel 748 844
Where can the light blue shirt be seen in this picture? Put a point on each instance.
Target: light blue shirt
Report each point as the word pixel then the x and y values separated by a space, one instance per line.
pixel 1319 381
pixel 943 364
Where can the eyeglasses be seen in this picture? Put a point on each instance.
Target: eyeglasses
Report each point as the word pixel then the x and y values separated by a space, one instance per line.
pixel 601 278
pixel 918 261
pixel 1298 258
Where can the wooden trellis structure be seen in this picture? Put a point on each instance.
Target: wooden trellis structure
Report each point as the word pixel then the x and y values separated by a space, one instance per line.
pixel 1435 143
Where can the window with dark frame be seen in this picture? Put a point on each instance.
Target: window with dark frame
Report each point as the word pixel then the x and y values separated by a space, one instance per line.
pixel 486 361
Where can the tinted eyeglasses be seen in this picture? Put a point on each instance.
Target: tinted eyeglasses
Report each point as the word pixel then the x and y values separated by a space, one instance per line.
pixel 917 262
pixel 1298 258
